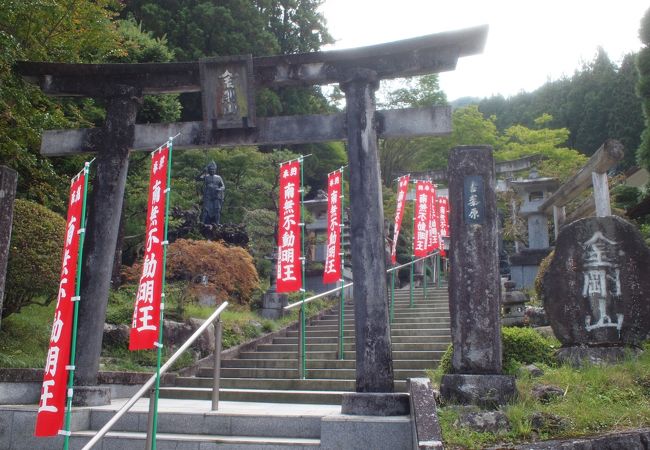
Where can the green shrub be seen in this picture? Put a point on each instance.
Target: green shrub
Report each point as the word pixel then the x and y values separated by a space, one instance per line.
pixel 34 263
pixel 543 267
pixel 519 346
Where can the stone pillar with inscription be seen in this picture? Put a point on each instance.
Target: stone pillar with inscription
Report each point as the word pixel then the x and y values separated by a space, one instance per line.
pixel 474 282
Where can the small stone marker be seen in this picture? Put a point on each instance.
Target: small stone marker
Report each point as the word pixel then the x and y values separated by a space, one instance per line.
pixel 597 288
pixel 8 180
pixel 427 434
pixel 474 282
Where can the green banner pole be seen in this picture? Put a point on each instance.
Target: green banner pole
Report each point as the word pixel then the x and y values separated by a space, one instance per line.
pixel 162 298
pixel 342 300
pixel 438 260
pixel 303 342
pixel 73 344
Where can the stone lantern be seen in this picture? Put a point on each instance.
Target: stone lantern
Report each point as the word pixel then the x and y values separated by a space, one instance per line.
pixel 532 192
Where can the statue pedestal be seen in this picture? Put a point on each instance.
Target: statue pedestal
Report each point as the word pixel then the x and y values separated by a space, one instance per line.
pixel 273 304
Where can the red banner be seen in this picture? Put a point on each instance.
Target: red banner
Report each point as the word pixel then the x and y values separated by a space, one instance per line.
pixel 421 218
pixel 332 272
pixel 146 314
pixel 402 189
pixel 51 407
pixel 433 221
pixel 289 269
pixel 443 221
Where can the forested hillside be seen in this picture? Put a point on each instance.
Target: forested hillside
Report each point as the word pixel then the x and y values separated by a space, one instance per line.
pixel 597 102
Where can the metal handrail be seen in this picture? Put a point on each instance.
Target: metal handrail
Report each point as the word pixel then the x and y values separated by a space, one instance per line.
pixel 317 296
pixel 127 406
pixel 411 262
pixel 335 290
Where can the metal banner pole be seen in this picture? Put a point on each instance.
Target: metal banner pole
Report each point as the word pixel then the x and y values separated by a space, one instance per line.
pixel 73 344
pixel 162 299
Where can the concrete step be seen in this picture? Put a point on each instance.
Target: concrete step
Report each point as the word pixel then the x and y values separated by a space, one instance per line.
pixel 311 347
pixel 317 364
pixel 315 397
pixel 126 440
pixel 426 330
pixel 351 339
pixel 288 384
pixel 399 322
pixel 325 374
pixel 210 423
pixel 396 322
pixel 428 355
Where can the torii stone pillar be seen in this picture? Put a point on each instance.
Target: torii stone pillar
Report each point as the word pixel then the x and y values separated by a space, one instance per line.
pixel 374 367
pixel 113 144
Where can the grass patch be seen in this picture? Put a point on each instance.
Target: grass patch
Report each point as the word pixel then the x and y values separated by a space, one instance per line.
pixel 597 400
pixel 24 337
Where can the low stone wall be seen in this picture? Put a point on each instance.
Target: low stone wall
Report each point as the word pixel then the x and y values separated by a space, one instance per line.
pixel 23 386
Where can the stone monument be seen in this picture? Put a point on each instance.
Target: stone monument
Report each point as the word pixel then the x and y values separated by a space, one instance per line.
pixel 213 194
pixel 597 291
pixel 474 283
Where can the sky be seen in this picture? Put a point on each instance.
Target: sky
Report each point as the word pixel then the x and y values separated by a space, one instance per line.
pixel 528 43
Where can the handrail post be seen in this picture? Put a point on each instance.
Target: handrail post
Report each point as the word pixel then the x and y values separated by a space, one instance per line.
pixel 341 322
pixel 151 417
pixel 301 344
pixel 216 373
pixel 439 264
pixel 392 296
pixel 411 286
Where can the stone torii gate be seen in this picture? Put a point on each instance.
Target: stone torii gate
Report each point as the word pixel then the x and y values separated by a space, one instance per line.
pixel 220 80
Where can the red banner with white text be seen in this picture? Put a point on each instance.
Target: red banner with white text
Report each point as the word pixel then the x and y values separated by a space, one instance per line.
pixel 289 268
pixel 443 221
pixel 421 218
pixel 332 272
pixel 402 189
pixel 51 407
pixel 433 221
pixel 146 314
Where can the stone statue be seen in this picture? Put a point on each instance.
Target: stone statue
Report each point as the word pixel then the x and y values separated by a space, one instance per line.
pixel 213 195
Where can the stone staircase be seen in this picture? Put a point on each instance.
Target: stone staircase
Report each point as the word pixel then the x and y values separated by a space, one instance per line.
pixel 264 404
pixel 420 336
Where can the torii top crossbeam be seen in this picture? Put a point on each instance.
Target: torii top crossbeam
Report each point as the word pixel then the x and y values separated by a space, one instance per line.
pixel 417 56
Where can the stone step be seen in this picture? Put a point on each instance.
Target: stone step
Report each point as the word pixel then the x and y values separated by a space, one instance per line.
pixel 311 347
pixel 427 355
pixel 319 364
pixel 125 440
pixel 430 323
pixel 430 330
pixel 315 397
pixel 209 423
pixel 399 319
pixel 325 374
pixel 351 339
pixel 286 384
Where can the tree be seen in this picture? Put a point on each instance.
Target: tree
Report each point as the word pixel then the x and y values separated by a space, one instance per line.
pixel 47 30
pixel 404 154
pixel 596 103
pixel 643 65
pixel 519 141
